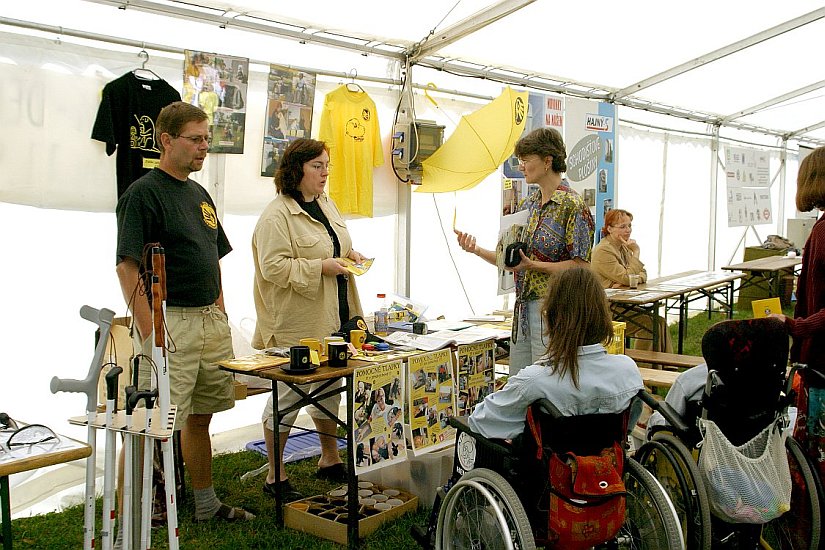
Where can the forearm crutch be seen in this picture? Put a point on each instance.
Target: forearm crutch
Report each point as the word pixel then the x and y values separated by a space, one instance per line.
pixel 107 533
pixel 164 404
pixel 103 319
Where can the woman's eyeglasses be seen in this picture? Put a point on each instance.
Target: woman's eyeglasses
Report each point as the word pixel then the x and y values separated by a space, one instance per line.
pixel 623 226
pixel 33 434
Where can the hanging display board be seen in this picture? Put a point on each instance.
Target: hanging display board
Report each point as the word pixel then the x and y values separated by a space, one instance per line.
pixel 290 94
pixel 476 375
pixel 747 172
pixel 590 137
pixel 378 412
pixel 431 400
pixel 217 84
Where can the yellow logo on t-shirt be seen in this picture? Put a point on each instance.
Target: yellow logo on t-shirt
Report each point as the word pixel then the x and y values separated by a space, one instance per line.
pixel 209 216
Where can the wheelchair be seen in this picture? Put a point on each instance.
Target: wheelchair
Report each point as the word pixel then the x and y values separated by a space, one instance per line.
pixel 746 390
pixel 497 497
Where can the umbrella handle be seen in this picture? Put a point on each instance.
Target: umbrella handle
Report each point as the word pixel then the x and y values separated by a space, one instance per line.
pixel 431 86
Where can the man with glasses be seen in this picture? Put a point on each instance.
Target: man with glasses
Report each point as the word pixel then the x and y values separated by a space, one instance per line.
pixel 168 207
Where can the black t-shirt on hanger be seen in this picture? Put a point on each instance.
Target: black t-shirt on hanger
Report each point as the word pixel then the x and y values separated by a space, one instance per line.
pixel 126 122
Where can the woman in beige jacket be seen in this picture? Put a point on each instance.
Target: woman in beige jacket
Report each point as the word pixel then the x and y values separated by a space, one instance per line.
pixel 614 259
pixel 302 289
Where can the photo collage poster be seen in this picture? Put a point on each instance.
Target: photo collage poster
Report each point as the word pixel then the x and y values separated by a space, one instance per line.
pixel 378 414
pixel 543 111
pixel 431 400
pixel 290 96
pixel 747 172
pixel 217 84
pixel 476 374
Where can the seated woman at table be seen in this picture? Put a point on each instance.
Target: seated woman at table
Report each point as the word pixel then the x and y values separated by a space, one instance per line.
pixel 614 259
pixel 576 374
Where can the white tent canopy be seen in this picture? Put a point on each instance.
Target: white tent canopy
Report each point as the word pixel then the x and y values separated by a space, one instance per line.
pixel 57 191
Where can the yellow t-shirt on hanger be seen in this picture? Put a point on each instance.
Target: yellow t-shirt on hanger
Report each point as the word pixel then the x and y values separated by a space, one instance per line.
pixel 349 126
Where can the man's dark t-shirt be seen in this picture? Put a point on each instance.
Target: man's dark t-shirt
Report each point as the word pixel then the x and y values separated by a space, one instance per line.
pixel 180 215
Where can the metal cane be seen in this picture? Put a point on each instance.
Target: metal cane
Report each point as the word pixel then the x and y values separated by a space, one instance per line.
pixel 148 470
pixel 108 530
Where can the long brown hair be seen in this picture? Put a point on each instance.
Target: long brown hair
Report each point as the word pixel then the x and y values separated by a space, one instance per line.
pixel 575 314
pixel 810 181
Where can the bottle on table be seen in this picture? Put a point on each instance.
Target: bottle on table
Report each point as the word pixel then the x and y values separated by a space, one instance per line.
pixel 382 316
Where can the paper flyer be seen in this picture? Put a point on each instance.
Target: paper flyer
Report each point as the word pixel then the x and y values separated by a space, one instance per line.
pixel 431 400
pixel 476 374
pixel 378 414
pixel 357 268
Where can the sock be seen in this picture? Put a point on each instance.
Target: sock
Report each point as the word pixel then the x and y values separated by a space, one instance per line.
pixel 206 502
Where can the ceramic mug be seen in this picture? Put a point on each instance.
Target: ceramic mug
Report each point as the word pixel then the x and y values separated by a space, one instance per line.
pixel 299 358
pixel 338 354
pixel 358 337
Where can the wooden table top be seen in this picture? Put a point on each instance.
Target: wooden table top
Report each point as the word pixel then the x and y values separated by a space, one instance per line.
pixel 32 457
pixel 769 263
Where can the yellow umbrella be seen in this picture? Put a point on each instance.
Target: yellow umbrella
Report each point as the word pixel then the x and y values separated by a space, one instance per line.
pixel 480 143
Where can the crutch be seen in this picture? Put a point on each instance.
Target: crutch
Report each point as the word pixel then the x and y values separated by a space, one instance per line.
pixel 108 529
pixel 103 318
pixel 159 358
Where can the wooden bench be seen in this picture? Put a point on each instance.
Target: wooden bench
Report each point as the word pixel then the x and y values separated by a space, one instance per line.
pixel 666 360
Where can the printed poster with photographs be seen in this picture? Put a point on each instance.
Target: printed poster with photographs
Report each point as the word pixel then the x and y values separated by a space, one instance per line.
pixel 431 400
pixel 217 84
pixel 290 95
pixel 378 413
pixel 476 375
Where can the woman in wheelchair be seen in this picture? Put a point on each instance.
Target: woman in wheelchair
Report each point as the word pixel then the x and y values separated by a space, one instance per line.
pixel 577 374
pixel 513 484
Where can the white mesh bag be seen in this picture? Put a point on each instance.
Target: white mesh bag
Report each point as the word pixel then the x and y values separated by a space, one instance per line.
pixel 750 483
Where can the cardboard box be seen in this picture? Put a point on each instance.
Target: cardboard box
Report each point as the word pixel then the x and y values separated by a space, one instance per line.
pixel 321 515
pixel 241 390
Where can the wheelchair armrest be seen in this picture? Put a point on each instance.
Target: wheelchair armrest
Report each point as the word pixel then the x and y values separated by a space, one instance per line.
pixel 813 374
pixel 669 413
pixel 460 424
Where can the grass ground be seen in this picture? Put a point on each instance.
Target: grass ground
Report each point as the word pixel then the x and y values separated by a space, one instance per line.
pixel 64 529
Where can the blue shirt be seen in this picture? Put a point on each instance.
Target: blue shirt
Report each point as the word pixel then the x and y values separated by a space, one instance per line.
pixel 607 384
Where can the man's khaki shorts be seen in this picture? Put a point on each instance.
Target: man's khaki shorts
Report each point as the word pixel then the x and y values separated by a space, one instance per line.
pixel 198 337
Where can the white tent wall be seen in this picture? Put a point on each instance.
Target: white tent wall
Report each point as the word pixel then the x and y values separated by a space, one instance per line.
pixel 61 255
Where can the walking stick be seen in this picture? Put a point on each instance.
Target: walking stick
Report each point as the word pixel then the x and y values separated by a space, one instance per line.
pixel 103 318
pixel 148 470
pixel 159 358
pixel 107 533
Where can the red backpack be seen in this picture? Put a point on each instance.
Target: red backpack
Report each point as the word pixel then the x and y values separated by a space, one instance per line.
pixel 585 502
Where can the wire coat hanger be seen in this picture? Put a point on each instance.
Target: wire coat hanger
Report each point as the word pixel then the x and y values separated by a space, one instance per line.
pixel 142 72
pixel 353 86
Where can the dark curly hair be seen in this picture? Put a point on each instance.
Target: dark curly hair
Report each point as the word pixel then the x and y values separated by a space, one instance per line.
pixel 291 170
pixel 544 142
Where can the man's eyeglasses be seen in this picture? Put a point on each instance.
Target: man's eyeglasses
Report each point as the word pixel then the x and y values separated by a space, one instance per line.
pixel 623 226
pixel 197 140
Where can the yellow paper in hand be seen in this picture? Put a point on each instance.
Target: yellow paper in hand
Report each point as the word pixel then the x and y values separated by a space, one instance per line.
pixel 358 269
pixel 763 308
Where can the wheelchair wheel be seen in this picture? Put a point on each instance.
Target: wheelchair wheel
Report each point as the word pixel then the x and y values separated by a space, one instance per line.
pixel 651 521
pixel 483 511
pixel 800 527
pixel 672 464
